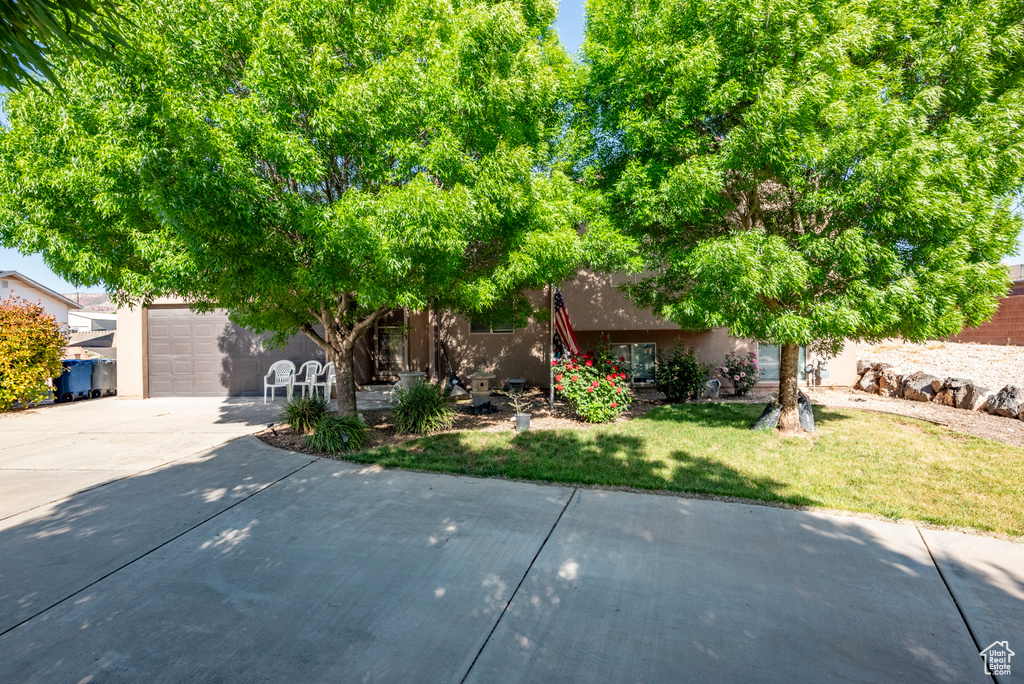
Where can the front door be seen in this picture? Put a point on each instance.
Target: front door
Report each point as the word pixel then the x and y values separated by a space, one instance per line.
pixel 390 349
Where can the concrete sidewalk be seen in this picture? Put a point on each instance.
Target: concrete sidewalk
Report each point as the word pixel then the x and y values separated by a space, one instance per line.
pixel 247 563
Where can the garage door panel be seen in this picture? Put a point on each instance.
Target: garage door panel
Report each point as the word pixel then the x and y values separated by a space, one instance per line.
pixel 207 355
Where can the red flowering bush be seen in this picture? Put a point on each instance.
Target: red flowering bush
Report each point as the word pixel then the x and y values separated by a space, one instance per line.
pixel 595 384
pixel 32 343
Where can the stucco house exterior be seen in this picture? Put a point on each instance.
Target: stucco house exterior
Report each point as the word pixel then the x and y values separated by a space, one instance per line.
pixel 54 303
pixel 167 350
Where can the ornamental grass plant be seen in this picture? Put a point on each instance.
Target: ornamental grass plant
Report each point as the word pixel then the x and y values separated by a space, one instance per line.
pixel 330 434
pixel 303 413
pixel 422 409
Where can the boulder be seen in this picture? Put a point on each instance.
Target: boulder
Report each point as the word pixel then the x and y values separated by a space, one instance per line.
pixel 868 382
pixel 806 412
pixel 1006 402
pixel 862 366
pixel 890 383
pixel 769 417
pixel 921 386
pixel 878 366
pixel 711 389
pixel 952 392
pixel 975 397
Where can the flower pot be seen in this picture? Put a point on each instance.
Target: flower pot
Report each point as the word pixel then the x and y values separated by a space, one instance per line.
pixel 522 422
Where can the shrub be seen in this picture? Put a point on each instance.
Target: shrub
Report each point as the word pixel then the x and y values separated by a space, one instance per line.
pixel 32 343
pixel 741 371
pixel 303 413
pixel 422 409
pixel 329 434
pixel 681 375
pixel 595 384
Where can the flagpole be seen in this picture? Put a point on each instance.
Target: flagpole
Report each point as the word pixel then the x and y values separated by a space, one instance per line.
pixel 551 344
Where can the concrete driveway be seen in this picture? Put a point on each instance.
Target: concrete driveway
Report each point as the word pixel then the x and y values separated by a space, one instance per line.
pixel 244 563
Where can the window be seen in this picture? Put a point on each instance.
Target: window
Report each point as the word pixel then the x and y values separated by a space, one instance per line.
pixel 641 357
pixel 768 359
pixel 499 328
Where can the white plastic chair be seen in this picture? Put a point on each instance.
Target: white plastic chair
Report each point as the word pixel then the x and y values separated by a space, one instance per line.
pixel 307 376
pixel 281 374
pixel 328 382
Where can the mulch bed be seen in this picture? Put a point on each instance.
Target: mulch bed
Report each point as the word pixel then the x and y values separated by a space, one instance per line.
pixel 500 419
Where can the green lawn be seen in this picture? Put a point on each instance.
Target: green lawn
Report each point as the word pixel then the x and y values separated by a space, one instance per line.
pixel 857 461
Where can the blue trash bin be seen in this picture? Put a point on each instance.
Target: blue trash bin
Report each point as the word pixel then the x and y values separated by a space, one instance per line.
pixel 75 382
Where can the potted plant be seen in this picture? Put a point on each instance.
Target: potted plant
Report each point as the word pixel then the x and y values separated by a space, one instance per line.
pixel 520 404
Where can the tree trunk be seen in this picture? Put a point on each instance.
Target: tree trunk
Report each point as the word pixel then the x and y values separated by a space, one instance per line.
pixel 345 371
pixel 789 388
pixel 338 343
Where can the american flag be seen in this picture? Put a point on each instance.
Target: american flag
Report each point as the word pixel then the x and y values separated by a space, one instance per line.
pixel 563 326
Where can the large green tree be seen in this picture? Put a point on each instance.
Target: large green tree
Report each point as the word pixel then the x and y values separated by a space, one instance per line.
pixel 306 164
pixel 31 30
pixel 810 171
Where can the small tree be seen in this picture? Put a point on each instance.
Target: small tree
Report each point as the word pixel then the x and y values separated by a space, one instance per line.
pixel 810 171
pixel 308 165
pixel 32 344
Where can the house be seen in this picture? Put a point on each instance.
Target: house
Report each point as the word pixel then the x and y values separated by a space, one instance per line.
pixel 54 303
pixel 92 321
pixel 1006 327
pixel 167 350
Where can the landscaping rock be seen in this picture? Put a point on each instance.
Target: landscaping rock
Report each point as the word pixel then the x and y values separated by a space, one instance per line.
pixel 769 417
pixel 1006 402
pixel 921 386
pixel 878 366
pixel 711 389
pixel 952 392
pixel 890 383
pixel 806 412
pixel 862 366
pixel 975 397
pixel 868 382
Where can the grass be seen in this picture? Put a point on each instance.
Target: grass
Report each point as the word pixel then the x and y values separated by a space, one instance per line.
pixel 857 461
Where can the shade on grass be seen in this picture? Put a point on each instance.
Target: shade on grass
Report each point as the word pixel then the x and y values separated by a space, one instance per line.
pixel 857 461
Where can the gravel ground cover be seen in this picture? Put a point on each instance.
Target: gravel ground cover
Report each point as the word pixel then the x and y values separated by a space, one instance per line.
pixel 993 366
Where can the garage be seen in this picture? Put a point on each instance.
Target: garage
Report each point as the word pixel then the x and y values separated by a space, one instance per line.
pixel 206 355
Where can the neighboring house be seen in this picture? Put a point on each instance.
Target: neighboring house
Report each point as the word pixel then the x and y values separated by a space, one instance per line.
pixel 1006 327
pixel 166 350
pixel 54 303
pixel 92 321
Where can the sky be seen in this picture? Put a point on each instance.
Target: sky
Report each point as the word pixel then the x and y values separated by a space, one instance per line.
pixel 570 28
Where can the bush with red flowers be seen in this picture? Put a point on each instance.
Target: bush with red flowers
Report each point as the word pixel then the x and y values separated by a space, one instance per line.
pixel 595 384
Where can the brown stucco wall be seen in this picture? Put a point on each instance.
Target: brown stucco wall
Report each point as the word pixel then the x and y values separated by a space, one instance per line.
pixel 593 304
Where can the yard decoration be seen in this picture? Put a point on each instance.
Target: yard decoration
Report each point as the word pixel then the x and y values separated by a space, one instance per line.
pixel 32 344
pixel 809 172
pixel 595 384
pixel 307 164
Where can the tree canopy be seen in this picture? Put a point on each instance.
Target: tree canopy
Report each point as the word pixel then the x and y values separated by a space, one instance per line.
pixel 810 171
pixel 305 163
pixel 30 31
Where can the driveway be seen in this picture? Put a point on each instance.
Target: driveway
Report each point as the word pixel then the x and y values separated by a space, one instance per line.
pixel 240 562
